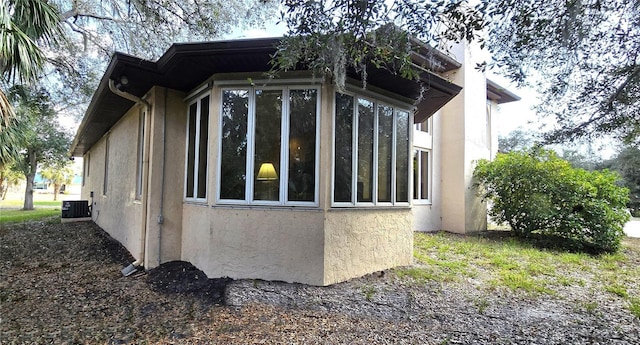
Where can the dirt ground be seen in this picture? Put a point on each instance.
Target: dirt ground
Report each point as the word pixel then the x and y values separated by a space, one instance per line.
pixel 61 283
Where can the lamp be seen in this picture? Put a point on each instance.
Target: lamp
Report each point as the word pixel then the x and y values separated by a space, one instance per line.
pixel 267 172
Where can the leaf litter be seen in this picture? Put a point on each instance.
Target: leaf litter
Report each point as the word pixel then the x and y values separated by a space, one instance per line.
pixel 61 284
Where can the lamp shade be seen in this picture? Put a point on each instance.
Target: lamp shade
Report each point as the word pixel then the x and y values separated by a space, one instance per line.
pixel 267 172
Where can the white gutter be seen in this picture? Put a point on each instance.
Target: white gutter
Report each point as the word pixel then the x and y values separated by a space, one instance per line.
pixel 133 267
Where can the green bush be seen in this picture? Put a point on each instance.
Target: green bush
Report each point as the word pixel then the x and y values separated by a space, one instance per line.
pixel 537 193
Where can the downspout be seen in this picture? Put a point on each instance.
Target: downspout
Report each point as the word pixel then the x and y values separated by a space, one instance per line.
pixel 133 267
pixel 164 154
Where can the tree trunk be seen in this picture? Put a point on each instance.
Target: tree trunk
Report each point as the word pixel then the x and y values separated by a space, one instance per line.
pixel 3 188
pixel 56 190
pixel 30 174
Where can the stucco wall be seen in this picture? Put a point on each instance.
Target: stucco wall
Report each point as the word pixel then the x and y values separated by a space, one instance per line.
pixel 464 141
pixel 360 241
pixel 239 242
pixel 427 216
pixel 117 212
pixel 166 131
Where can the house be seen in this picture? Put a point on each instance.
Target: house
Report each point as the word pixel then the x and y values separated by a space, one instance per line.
pixel 199 157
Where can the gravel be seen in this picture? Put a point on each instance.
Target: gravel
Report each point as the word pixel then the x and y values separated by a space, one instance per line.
pixel 61 283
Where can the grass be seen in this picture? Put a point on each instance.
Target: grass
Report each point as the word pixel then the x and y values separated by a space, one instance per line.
pixel 11 210
pixel 634 306
pixel 498 261
pixel 13 204
pixel 14 216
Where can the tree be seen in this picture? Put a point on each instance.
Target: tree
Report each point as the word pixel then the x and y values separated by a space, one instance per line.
pixel 582 55
pixel 46 143
pixel 58 174
pixel 516 140
pixel 8 178
pixel 23 24
pixel 627 163
pixel 539 194
pixel 93 30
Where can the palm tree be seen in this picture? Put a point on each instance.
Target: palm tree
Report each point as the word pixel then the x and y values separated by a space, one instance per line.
pixel 23 23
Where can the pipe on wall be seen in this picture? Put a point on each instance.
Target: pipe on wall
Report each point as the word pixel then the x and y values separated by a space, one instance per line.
pixel 133 267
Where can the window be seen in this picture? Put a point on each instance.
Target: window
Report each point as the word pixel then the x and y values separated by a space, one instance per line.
pixel 421 174
pixel 197 146
pixel 424 125
pixel 269 145
pixel 139 166
pixel 105 181
pixel 371 152
pixel 85 168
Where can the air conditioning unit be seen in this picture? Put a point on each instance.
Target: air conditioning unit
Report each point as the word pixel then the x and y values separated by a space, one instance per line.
pixel 76 209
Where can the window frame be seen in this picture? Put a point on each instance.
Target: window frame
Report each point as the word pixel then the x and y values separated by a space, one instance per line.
pixel 378 101
pixel 418 176
pixel 140 154
pixel 105 180
pixel 250 164
pixel 428 122
pixel 85 168
pixel 198 101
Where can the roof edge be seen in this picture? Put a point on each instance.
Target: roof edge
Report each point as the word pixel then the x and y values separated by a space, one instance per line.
pixel 500 94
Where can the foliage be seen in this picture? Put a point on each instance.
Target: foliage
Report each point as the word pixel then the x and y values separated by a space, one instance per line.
pixel 12 138
pixel 94 30
pixel 581 55
pixel 24 24
pixel 332 37
pixel 627 163
pixel 8 178
pixel 516 140
pixel 59 173
pixel 536 192
pixel 46 143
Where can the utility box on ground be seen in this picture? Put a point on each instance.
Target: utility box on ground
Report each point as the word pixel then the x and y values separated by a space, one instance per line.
pixel 75 210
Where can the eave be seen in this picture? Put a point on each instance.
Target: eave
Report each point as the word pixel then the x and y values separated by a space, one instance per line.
pixel 500 94
pixel 186 65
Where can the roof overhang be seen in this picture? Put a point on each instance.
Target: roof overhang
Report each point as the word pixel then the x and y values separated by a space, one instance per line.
pixel 186 65
pixel 500 94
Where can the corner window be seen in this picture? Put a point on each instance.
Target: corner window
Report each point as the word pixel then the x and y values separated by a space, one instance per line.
pixel 371 152
pixel 197 146
pixel 269 146
pixel 421 175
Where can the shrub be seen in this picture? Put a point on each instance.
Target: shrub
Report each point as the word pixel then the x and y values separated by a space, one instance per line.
pixel 537 193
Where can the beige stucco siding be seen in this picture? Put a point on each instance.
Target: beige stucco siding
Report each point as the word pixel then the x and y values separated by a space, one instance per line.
pixel 239 242
pixel 117 211
pixel 167 128
pixel 358 242
pixel 464 140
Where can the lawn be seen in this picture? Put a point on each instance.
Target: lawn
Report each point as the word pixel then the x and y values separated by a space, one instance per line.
pixel 11 210
pixel 495 260
pixel 61 283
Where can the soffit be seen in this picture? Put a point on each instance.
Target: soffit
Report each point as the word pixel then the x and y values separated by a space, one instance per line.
pixel 500 94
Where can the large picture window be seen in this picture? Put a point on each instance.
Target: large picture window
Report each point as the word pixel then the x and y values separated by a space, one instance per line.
pixel 371 153
pixel 197 146
pixel 269 146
